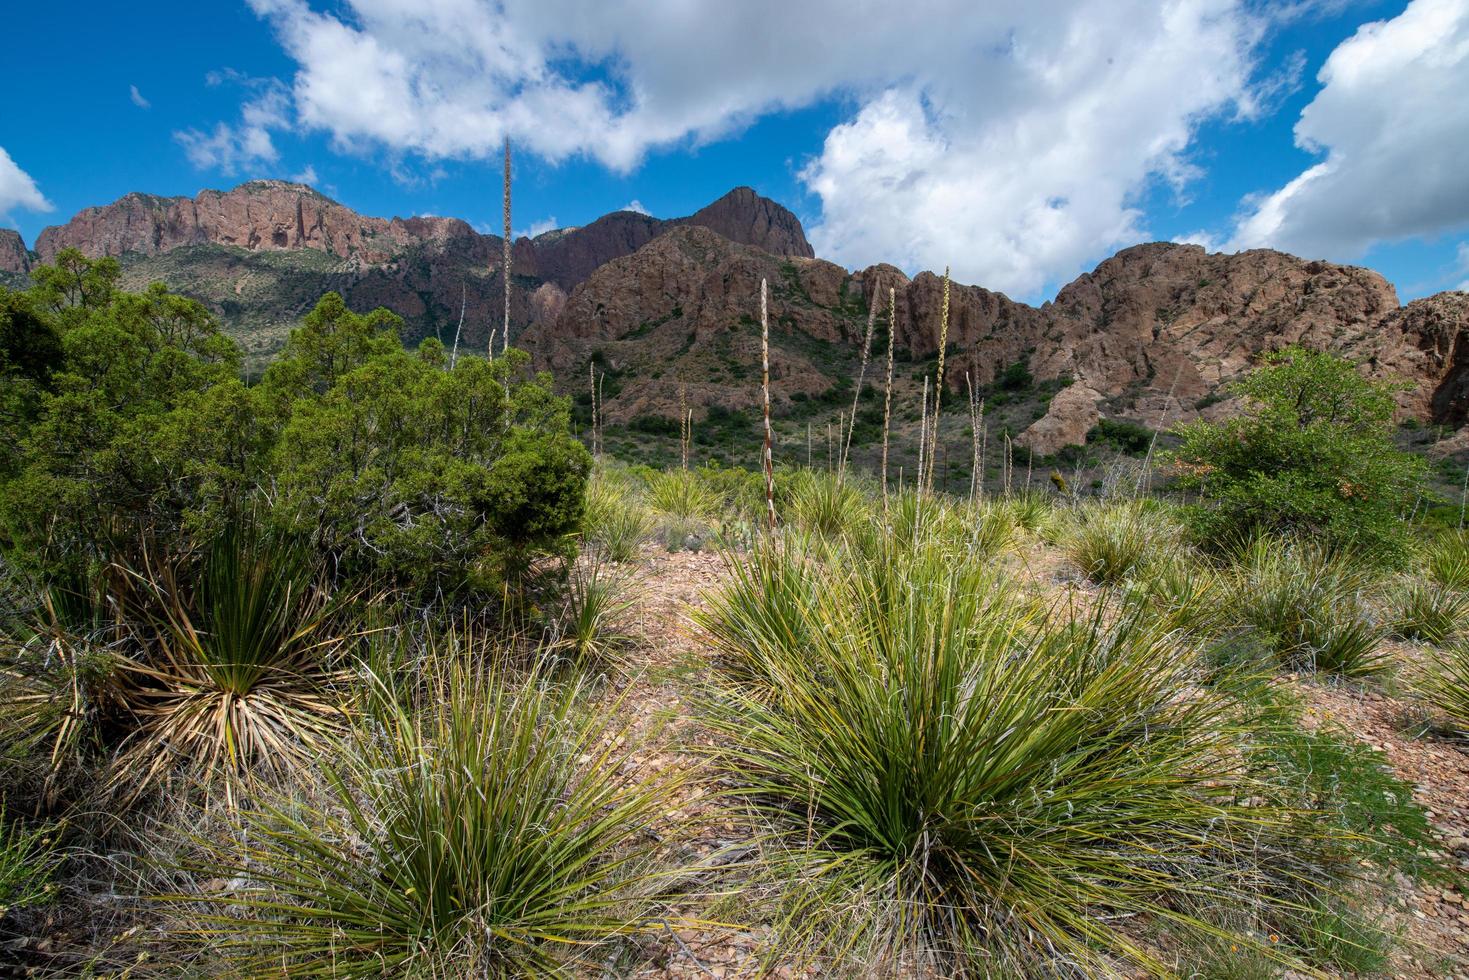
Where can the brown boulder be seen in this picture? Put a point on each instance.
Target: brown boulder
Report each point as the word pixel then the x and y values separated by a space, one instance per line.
pixel 1072 413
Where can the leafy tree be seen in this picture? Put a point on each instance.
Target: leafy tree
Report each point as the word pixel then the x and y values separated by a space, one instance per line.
pixel 331 341
pixel 443 478
pixel 102 462
pixel 30 353
pixel 1312 455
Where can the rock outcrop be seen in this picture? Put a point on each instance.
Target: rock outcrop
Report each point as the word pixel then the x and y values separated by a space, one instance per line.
pixel 745 217
pixel 262 215
pixel 13 255
pixel 1070 416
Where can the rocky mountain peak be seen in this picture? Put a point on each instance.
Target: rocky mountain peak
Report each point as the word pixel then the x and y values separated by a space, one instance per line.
pixel 745 217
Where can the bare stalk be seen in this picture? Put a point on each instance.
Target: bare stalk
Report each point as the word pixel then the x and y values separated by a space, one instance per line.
pixel 506 261
pixel 592 381
pixel 887 396
pixel 1147 472
pixel 463 300
pixel 861 378
pixel 683 424
pixel 973 435
pixel 768 462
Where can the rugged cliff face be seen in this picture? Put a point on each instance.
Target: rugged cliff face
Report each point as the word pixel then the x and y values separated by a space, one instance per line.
pixel 13 255
pixel 1151 334
pixel 274 215
pixel 262 215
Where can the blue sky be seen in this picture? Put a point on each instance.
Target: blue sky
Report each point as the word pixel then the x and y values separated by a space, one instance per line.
pixel 1020 146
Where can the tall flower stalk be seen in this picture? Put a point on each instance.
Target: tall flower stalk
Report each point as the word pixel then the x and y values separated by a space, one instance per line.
pixel 768 462
pixel 887 396
pixel 861 377
pixel 938 390
pixel 505 262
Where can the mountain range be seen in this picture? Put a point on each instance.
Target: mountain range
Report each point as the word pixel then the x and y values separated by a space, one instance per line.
pixel 668 309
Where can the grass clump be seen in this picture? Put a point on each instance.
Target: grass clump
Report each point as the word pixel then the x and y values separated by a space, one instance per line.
pixel 1312 607
pixel 1111 543
pixel 482 826
pixel 959 784
pixel 26 865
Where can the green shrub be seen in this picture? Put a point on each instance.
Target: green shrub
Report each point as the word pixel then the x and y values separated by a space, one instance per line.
pixel 436 479
pixel 1312 455
pixel 481 827
pixel 1125 437
pixel 953 784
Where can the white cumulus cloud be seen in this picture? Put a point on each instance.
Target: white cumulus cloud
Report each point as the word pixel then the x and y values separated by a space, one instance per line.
pixel 247 144
pixel 137 98
pixel 538 228
pixel 1010 141
pixel 1391 129
pixel 636 206
pixel 17 189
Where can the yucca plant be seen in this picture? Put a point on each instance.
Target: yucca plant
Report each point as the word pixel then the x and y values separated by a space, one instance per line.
pixel 615 522
pixel 822 503
pixel 681 495
pixel 1032 512
pixel 1446 561
pixel 1184 589
pixel 238 671
pixel 1445 687
pixel 485 826
pixel 1428 612
pixel 592 621
pixel 57 679
pixel 1312 606
pixel 956 785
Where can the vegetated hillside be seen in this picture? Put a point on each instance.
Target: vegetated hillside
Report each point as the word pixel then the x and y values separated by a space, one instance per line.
pixel 668 309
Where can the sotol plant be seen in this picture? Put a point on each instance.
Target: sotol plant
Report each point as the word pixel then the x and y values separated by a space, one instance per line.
pixel 956 785
pixel 483 827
